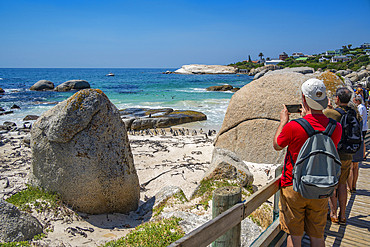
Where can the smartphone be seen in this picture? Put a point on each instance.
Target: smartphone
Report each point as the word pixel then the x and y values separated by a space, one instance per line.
pixel 294 108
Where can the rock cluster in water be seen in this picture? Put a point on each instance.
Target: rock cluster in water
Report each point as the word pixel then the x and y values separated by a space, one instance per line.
pixel 65 86
pixel 146 118
pixel 223 88
pixel 205 69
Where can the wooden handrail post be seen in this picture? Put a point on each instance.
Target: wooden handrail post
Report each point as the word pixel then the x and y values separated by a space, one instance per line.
pixel 213 229
pixel 223 199
pixel 278 172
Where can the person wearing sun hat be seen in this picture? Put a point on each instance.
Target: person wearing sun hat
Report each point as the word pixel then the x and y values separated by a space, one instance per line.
pixel 314 91
pixel 343 100
pixel 298 214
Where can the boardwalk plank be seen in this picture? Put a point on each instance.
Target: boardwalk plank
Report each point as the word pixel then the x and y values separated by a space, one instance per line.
pixel 356 232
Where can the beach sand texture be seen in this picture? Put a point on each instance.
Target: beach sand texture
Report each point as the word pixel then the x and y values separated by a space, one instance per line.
pixel 159 160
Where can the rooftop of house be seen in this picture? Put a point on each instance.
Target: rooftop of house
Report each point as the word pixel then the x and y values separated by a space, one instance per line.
pixel 339 57
pixel 275 60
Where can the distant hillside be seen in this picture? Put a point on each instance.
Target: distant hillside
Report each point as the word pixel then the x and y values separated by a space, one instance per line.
pixel 358 58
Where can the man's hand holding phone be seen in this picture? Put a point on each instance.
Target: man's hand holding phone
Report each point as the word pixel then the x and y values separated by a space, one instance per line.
pixel 294 108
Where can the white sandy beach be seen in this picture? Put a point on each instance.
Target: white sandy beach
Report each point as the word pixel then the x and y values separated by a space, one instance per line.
pixel 159 160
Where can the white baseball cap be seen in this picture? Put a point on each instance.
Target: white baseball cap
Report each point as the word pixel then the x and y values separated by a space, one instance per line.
pixel 315 92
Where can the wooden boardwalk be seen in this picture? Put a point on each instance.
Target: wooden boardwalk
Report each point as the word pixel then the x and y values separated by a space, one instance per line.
pixel 357 230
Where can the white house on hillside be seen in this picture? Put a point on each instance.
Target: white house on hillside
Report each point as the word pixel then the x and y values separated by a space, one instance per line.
pixel 274 61
pixel 336 59
pixel 330 53
pixel 322 59
pixel 338 52
pixel 297 54
pixel 365 46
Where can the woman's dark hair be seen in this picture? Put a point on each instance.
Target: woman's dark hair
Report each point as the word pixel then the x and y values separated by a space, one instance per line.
pixel 344 94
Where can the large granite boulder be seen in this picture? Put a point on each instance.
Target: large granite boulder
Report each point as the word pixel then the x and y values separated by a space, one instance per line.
pixel 220 88
pixel 363 74
pixel 252 116
pixel 30 117
pixel 144 118
pixel 301 70
pixel 80 150
pixel 367 83
pixel 206 69
pixel 226 164
pixel 353 77
pixel 42 85
pixel 266 68
pixel 260 74
pixel 343 72
pixel 17 225
pixel 348 82
pixel 72 85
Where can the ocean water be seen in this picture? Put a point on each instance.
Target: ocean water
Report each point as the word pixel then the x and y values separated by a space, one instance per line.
pixel 129 88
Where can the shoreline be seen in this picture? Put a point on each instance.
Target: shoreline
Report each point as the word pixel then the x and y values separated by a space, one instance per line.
pixel 129 88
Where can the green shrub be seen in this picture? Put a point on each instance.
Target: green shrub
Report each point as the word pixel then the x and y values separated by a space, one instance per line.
pixel 318 65
pixel 31 195
pixel 15 244
pixel 39 236
pixel 152 234
pixel 363 59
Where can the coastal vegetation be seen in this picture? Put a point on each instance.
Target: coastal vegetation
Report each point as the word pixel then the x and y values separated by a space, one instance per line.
pixel 38 197
pixel 246 65
pixel 16 244
pixel 207 186
pixel 152 234
pixel 356 63
pixel 178 198
pixel 358 57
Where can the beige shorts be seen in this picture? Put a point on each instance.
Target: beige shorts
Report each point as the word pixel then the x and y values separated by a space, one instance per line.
pixel 298 214
pixel 344 171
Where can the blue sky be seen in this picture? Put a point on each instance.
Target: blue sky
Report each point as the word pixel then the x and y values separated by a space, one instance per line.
pixel 169 34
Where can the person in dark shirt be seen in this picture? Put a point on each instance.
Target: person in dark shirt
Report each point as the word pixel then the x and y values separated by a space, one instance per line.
pixel 342 99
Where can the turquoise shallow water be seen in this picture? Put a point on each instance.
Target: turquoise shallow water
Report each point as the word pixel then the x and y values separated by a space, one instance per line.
pixel 128 88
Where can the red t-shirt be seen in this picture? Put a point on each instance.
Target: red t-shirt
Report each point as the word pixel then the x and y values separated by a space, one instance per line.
pixel 294 136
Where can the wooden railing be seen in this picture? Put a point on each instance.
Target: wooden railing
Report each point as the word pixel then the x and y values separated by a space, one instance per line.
pixel 215 228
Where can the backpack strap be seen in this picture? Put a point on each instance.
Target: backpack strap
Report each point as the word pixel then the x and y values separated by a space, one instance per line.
pixel 306 126
pixel 340 110
pixel 330 128
pixel 291 160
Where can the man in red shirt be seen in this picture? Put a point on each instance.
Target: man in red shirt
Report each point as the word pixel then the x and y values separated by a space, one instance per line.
pixel 298 214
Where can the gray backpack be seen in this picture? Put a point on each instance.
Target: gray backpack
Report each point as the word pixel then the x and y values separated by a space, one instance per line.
pixel 317 169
